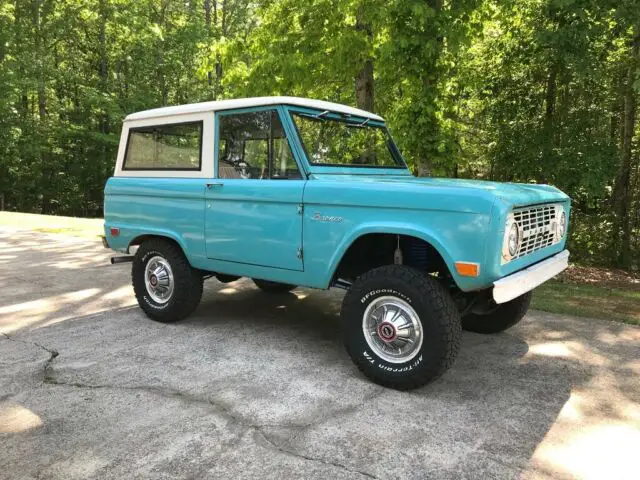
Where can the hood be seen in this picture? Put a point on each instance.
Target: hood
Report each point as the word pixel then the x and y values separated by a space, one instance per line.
pixel 513 194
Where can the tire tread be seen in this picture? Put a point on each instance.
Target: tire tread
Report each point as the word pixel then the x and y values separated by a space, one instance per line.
pixel 444 311
pixel 188 282
pixel 506 316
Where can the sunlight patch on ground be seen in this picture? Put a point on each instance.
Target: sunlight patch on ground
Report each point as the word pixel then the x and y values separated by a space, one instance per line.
pixel 597 432
pixel 124 292
pixel 228 290
pixel 45 304
pixel 595 452
pixel 611 338
pixel 568 349
pixel 550 349
pixel 57 308
pixel 16 419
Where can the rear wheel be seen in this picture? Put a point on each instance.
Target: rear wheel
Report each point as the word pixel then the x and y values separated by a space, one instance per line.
pixel 273 287
pixel 498 318
pixel 168 289
pixel 401 327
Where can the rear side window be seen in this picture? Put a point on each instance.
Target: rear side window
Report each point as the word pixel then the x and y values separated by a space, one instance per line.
pixel 175 146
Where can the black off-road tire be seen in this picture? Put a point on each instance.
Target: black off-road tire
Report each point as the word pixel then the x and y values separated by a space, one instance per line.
pixel 438 315
pixel 504 316
pixel 272 287
pixel 187 282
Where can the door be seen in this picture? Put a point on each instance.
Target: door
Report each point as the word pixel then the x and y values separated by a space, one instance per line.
pixel 253 211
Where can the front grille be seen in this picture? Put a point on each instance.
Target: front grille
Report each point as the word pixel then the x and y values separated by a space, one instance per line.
pixel 537 225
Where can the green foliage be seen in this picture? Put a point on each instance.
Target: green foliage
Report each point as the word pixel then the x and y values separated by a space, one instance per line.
pixel 509 90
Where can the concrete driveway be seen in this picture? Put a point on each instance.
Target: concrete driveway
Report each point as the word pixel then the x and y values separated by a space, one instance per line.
pixel 259 386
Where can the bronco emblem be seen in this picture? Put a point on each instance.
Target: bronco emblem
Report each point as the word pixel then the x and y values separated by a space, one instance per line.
pixel 326 218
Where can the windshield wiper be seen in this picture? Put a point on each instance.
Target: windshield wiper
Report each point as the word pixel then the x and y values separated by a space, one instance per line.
pixel 319 116
pixel 358 125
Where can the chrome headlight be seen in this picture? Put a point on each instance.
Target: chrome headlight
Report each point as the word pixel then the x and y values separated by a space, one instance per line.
pixel 513 239
pixel 562 224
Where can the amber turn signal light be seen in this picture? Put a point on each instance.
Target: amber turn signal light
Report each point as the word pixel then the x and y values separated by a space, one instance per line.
pixel 468 269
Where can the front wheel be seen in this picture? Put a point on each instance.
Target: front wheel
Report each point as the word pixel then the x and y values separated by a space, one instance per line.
pixel 168 289
pixel 499 318
pixel 401 327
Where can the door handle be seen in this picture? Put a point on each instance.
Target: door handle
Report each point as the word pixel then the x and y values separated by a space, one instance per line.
pixel 214 185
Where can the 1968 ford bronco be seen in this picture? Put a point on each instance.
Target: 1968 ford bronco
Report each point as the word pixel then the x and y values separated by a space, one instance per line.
pixel 296 192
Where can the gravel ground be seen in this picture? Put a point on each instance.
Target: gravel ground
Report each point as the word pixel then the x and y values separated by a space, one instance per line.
pixel 259 386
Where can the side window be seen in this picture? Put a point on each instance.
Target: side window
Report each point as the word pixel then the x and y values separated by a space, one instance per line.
pixel 164 147
pixel 254 145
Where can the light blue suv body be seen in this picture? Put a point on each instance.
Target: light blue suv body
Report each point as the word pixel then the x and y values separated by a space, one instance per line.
pixel 301 230
pixel 463 220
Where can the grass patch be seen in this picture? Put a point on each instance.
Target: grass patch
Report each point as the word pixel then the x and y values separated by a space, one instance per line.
pixel 588 301
pixel 78 227
pixel 76 232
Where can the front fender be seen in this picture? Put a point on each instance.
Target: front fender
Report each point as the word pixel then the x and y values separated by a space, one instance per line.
pixel 459 237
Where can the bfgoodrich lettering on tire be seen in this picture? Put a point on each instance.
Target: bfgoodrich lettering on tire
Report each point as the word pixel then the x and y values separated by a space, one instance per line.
pixel 401 326
pixel 168 289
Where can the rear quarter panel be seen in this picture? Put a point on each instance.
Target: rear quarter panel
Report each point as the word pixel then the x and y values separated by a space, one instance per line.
pixel 170 207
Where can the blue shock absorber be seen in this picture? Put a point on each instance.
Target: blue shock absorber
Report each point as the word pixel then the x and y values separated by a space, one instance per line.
pixel 418 254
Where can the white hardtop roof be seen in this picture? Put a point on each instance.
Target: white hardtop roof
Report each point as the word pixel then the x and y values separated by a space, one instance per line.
pixel 249 102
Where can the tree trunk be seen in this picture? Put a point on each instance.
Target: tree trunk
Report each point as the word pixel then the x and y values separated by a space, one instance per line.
pixel 364 77
pixel 23 104
pixel 222 33
pixel 364 87
pixel 622 191
pixel 550 99
pixel 47 174
pixel 429 81
pixel 207 22
pixel 550 96
pixel 160 72
pixel 103 72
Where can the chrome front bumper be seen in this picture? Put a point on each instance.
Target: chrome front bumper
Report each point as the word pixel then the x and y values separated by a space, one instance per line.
pixel 521 282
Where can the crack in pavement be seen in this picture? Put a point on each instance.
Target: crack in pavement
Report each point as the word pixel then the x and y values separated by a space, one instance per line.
pixel 221 409
pixel 53 353
pixel 234 418
pixel 240 420
pixel 279 448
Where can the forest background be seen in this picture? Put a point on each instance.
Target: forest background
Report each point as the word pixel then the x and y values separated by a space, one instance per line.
pixel 542 91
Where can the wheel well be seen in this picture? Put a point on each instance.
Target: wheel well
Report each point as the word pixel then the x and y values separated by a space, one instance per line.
pixel 139 240
pixel 377 249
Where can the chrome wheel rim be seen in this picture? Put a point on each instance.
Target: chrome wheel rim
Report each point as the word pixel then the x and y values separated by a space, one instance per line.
pixel 158 279
pixel 392 329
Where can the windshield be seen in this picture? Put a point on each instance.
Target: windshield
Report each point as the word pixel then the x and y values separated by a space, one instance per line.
pixel 346 142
